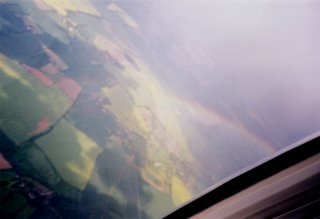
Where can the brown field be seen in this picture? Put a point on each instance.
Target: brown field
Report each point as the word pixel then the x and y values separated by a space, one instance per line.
pixel 38 75
pixel 71 88
pixel 4 164
pixel 50 69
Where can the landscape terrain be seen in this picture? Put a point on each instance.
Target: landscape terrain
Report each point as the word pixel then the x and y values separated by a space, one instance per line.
pixel 96 121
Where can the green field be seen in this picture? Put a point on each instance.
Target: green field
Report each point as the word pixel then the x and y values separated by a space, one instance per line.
pixel 71 152
pixel 33 163
pixel 155 203
pixel 24 101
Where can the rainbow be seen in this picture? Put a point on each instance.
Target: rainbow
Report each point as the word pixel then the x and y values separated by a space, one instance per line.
pixel 208 116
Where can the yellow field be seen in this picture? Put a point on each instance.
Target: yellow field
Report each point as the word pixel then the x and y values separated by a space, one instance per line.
pixel 150 112
pixel 12 73
pixel 104 44
pixel 179 191
pixel 71 152
pixel 62 7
